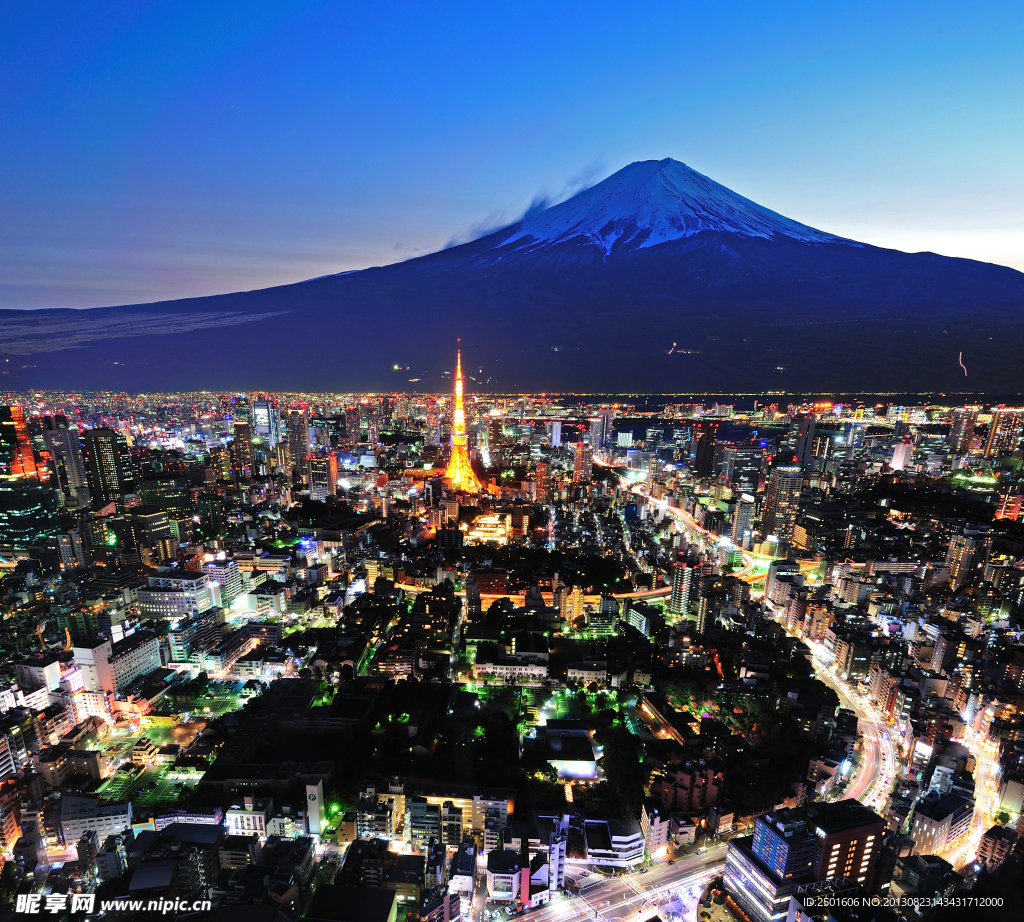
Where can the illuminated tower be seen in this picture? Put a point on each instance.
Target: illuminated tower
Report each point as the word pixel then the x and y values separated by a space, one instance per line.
pixel 460 472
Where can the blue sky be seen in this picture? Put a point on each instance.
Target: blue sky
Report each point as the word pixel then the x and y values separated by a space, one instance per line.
pixel 158 150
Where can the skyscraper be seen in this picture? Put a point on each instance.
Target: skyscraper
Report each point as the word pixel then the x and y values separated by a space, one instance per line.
pixel 679 601
pixel 583 462
pixel 782 502
pixel 65 445
pixel 601 428
pixel 743 521
pixel 901 455
pixel 266 421
pixel 803 433
pixel 961 429
pixel 741 466
pixel 323 477
pixel 28 504
pixel 1005 433
pixel 241 449
pixel 460 471
pixel 705 434
pixel 543 480
pixel 556 434
pixel 108 461
pixel 298 435
pixel 964 555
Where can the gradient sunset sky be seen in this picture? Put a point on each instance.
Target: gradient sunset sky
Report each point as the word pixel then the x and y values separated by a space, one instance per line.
pixel 160 150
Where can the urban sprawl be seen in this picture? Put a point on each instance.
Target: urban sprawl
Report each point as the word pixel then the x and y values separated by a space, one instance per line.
pixel 373 657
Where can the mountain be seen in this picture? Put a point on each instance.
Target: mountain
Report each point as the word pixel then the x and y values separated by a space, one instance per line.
pixel 654 202
pixel 657 279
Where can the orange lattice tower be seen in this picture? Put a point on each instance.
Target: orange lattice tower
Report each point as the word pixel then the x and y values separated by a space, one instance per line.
pixel 460 472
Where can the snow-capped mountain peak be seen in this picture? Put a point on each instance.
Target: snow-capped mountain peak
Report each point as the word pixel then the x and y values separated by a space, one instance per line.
pixel 651 202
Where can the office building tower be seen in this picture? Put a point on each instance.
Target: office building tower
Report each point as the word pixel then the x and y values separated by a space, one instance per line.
pixel 28 501
pixel 266 422
pixel 298 435
pixel 66 447
pixel 966 555
pixel 460 471
pixel 432 436
pixel 961 429
pixel 849 839
pixel 705 434
pixel 583 462
pixel 323 477
pixel 791 849
pixel 17 456
pixel 679 601
pixel 240 409
pixel 802 434
pixel 901 456
pixel 741 466
pixel 109 466
pixel 782 502
pixel 1005 432
pixel 543 480
pixel 601 428
pixel 241 450
pixel 653 470
pixel 556 434
pixel 743 521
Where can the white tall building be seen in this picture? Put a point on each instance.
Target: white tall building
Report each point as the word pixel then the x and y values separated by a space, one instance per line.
pixel 176 597
pixel 900 456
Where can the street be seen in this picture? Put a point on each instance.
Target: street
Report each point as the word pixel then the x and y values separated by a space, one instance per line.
pixel 623 897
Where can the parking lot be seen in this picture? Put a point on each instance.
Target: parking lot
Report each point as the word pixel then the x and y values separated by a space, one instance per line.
pixel 159 784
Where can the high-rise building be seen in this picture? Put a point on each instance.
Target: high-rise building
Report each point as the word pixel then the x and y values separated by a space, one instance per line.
pixel 241 450
pixel 679 601
pixel 743 521
pixel 111 471
pixel 802 432
pixel 266 422
pixel 782 502
pixel 17 456
pixel 432 436
pixel 323 476
pixel 65 445
pixel 28 502
pixel 705 434
pixel 556 434
pixel 961 429
pixel 900 456
pixel 583 463
pixel 1005 432
pixel 601 428
pixel 298 435
pixel 460 471
pixel 741 466
pixel 793 848
pixel 543 480
pixel 966 554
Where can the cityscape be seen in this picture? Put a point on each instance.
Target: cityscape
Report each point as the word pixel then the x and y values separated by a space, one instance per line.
pixel 467 656
pixel 559 462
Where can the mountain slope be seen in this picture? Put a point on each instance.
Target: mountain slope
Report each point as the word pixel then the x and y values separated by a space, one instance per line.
pixel 588 295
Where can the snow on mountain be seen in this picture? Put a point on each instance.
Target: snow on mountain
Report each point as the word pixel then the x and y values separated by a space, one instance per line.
pixel 652 202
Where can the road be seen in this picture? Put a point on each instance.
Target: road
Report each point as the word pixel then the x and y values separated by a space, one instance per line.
pixel 879 764
pixel 878 759
pixel 605 898
pixel 986 797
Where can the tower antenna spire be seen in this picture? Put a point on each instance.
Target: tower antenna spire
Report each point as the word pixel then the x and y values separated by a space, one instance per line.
pixel 460 471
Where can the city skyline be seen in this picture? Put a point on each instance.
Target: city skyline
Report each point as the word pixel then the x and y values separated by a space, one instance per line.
pixel 462 463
